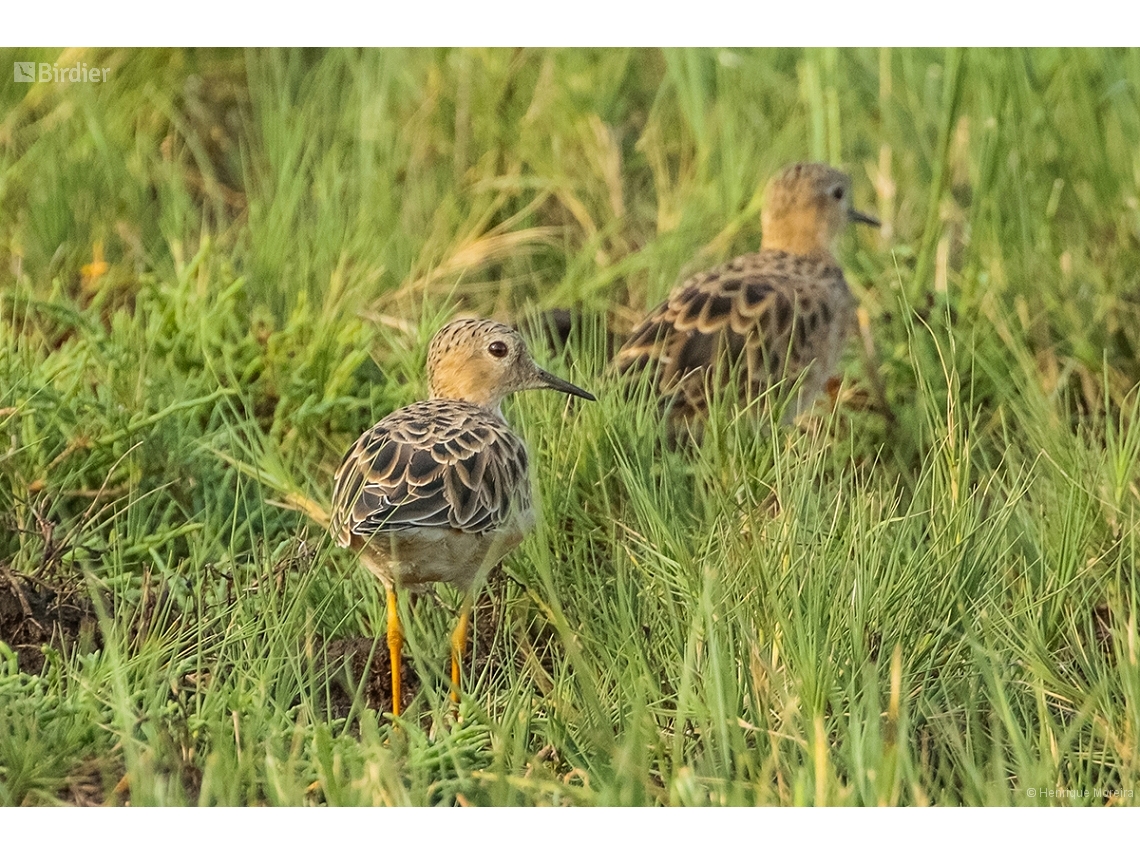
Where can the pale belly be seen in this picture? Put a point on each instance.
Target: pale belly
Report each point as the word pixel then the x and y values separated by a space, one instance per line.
pixel 416 558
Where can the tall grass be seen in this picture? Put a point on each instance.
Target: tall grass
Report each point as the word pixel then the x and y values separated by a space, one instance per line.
pixel 219 267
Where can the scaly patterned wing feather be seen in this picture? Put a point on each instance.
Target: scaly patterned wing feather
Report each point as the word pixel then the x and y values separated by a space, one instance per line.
pixel 432 464
pixel 767 314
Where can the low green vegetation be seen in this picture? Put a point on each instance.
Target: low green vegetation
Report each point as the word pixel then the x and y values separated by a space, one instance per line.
pixel 217 268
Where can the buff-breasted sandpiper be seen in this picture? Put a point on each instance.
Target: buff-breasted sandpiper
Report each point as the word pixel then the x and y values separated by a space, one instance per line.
pixel 440 490
pixel 783 313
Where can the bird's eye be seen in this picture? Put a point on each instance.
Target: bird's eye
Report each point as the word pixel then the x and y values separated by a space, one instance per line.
pixel 837 193
pixel 498 349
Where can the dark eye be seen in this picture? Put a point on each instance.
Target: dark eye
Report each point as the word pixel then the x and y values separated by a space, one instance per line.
pixel 837 193
pixel 497 349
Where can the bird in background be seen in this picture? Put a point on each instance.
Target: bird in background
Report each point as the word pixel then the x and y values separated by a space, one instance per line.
pixel 780 315
pixel 440 491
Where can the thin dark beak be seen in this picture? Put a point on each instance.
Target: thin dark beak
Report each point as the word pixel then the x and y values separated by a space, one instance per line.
pixel 559 385
pixel 860 217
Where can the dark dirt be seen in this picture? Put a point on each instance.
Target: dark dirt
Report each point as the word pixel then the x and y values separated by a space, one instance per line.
pixel 96 782
pixel 33 613
pixel 348 666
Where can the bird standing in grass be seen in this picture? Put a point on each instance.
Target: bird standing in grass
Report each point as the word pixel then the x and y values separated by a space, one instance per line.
pixel 783 313
pixel 440 490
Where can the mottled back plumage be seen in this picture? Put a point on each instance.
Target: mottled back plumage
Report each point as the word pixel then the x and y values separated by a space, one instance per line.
pixel 444 463
pixel 778 315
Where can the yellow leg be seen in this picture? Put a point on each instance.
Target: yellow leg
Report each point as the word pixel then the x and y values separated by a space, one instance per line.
pixel 459 645
pixel 395 644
